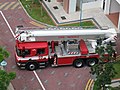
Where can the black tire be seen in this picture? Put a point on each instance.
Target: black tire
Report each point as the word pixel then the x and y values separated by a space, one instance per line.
pixel 91 62
pixel 31 66
pixel 78 63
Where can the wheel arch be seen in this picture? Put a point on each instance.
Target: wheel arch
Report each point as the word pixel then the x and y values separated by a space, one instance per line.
pixel 78 62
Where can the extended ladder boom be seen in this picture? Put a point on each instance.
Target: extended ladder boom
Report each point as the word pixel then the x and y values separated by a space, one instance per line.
pixel 57 34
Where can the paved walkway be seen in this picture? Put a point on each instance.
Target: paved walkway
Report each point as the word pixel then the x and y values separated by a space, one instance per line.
pixel 115 83
pixel 9 5
pixel 96 13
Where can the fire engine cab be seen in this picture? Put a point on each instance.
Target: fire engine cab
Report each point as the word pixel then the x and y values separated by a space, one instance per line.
pixel 56 46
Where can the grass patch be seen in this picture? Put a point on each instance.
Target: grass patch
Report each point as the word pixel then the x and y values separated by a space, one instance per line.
pixel 37 12
pixel 86 24
pixel 115 88
pixel 95 86
pixel 117 68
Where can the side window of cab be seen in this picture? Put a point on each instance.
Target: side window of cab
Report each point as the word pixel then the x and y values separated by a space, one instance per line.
pixel 41 51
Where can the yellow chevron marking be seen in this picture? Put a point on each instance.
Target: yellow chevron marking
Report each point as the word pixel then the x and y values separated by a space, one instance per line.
pixel 86 88
pixel 89 88
pixel 3 5
pixel 15 5
pixel 37 24
pixel 8 6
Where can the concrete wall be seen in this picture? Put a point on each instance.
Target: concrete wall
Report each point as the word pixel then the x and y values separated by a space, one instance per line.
pixel 90 5
pixel 72 6
pixel 66 5
pixel 107 6
pixel 78 3
pixel 114 6
pixel 59 0
pixel 119 23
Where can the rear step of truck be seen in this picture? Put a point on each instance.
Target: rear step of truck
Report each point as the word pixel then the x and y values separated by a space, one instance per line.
pixel 42 65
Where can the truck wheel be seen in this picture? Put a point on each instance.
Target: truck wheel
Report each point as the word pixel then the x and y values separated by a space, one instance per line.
pixel 91 62
pixel 78 63
pixel 31 66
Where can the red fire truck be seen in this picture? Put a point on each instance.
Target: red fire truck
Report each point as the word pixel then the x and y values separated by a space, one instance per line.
pixel 56 46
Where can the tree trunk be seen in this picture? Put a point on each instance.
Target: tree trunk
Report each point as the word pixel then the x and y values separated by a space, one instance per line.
pixel 104 88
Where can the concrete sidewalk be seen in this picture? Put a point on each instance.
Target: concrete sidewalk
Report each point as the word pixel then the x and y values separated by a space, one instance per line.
pixel 115 83
pixel 57 14
pixel 10 87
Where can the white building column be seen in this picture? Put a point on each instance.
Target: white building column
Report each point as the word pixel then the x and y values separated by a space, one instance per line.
pixel 72 6
pixel 119 23
pixel 107 6
pixel 102 4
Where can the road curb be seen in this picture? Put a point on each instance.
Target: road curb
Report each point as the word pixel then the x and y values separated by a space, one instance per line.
pixel 116 79
pixel 10 87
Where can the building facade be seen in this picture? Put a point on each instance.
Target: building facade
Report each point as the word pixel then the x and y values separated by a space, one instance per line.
pixel 71 6
pixel 112 10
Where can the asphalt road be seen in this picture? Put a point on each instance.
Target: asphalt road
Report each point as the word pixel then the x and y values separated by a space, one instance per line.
pixel 60 78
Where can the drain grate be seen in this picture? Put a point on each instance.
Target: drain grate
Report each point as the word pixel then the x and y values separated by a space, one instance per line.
pixel 63 17
pixel 55 7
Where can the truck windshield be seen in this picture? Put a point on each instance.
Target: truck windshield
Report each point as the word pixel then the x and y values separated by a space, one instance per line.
pixel 22 53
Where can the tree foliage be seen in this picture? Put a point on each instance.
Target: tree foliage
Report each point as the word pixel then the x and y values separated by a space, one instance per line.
pixel 104 72
pixel 3 53
pixel 5 79
pixel 108 50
